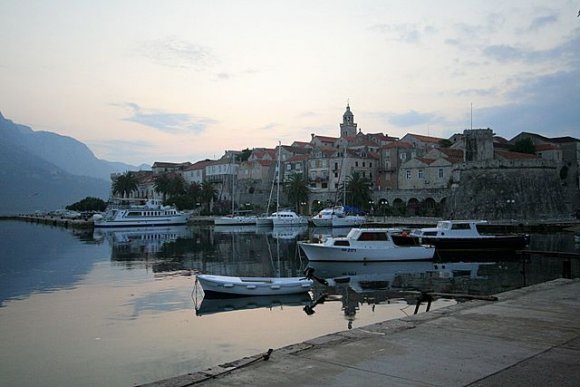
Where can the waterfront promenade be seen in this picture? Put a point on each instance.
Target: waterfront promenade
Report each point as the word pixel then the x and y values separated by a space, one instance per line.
pixel 529 337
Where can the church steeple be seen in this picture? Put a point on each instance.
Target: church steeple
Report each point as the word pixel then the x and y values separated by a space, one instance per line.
pixel 348 126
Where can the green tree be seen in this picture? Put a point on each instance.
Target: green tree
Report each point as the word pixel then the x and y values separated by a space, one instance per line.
pixel 245 155
pixel 524 145
pixel 358 190
pixel 125 184
pixel 208 194
pixel 445 143
pixel 88 204
pixel 162 184
pixel 296 189
pixel 170 185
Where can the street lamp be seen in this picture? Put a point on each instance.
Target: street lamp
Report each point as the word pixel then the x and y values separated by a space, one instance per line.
pixel 510 204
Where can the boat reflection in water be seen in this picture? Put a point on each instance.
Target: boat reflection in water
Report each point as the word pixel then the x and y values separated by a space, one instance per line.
pixel 139 242
pixel 218 305
pixel 354 283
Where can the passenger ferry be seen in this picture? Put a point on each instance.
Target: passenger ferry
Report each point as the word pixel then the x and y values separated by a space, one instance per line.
pixel 151 213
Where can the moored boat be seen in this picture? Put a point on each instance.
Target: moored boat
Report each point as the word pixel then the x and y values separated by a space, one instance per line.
pixel 336 217
pixel 458 235
pixel 226 286
pixel 234 220
pixel 288 218
pixel 151 213
pixel 367 245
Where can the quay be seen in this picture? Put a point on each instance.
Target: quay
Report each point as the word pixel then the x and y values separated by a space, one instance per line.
pixel 502 226
pixel 528 337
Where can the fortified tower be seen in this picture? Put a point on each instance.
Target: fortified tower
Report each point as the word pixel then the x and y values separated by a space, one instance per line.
pixel 348 127
pixel 478 144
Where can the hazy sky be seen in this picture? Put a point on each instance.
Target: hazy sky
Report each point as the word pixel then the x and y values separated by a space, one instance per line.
pixel 144 81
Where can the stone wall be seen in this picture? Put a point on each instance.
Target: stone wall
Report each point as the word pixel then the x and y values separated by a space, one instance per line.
pixel 500 192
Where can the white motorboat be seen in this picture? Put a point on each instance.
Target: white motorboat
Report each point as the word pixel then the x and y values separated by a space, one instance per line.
pixel 234 220
pixel 348 220
pixel 288 218
pixel 226 286
pixel 459 235
pixel 151 213
pixel 264 220
pixel 336 217
pixel 367 245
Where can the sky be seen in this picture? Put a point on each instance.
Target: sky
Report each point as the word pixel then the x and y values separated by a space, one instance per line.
pixel 145 81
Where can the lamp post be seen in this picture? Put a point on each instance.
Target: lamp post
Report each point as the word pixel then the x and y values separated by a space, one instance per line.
pixel 510 204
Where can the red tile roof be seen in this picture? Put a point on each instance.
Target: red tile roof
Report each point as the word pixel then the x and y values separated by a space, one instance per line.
pixel 508 155
pixel 545 147
pixel 426 138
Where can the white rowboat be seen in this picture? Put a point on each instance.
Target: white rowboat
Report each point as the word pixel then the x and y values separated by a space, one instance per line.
pixel 224 286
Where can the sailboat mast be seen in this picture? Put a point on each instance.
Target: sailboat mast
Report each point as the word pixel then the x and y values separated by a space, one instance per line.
pixel 278 177
pixel 233 183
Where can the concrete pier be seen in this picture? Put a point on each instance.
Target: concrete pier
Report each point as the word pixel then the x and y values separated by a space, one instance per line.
pixel 529 337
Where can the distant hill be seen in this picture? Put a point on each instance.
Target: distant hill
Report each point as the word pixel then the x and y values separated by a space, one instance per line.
pixel 46 171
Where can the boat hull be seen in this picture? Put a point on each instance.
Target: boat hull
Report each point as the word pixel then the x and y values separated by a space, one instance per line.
pixel 495 243
pixel 142 222
pixel 224 286
pixel 318 252
pixel 234 220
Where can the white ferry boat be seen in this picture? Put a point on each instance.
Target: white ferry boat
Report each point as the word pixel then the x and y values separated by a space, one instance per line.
pixel 151 213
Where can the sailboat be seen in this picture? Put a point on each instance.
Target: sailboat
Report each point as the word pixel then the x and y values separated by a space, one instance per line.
pixel 266 219
pixel 285 217
pixel 234 219
pixel 338 216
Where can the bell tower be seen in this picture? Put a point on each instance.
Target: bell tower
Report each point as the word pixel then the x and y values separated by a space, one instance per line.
pixel 348 126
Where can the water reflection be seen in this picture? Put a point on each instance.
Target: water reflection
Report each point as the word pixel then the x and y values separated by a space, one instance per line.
pixel 219 305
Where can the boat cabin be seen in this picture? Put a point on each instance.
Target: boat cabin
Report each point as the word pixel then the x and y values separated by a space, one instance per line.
pixel 452 228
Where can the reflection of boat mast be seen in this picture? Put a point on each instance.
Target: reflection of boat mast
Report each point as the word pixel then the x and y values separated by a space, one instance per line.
pixel 340 173
pixel 278 177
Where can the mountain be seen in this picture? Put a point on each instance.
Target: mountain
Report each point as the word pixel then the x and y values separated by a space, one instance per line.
pixel 65 152
pixel 46 171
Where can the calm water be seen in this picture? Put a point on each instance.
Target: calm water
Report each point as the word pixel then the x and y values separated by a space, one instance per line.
pixel 122 307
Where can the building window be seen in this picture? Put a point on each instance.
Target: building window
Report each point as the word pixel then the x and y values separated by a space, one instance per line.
pixel 420 174
pixel 370 165
pixel 441 173
pixel 403 156
pixel 288 167
pixel 408 174
pixel 364 164
pixel 356 163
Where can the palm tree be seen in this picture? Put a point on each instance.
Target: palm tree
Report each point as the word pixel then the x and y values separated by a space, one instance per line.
pixel 297 190
pixel 125 184
pixel 162 184
pixel 358 189
pixel 194 191
pixel 208 194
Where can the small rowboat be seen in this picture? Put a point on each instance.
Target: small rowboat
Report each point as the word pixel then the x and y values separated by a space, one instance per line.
pixel 217 286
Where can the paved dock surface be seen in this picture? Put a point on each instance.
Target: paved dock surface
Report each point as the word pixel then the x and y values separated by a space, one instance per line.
pixel 530 337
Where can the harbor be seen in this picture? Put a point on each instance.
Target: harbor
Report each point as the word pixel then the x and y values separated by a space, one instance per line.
pixel 126 300
pixel 528 337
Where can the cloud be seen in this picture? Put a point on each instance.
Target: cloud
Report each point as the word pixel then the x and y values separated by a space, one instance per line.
pixel 477 92
pixel 269 126
pixel 568 51
pixel 168 122
pixel 542 21
pixel 411 118
pixel 406 33
pixel 173 52
pixel 543 104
